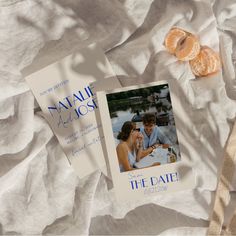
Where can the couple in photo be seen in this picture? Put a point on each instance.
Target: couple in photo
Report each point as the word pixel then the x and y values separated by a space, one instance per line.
pixel 138 143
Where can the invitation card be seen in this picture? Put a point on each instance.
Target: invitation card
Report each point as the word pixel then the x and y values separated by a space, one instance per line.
pixel 64 93
pixel 142 141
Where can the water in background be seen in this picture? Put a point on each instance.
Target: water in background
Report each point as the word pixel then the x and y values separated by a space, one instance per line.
pixel 134 108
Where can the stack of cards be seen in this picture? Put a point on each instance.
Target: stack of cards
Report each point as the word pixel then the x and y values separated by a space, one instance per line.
pixel 83 102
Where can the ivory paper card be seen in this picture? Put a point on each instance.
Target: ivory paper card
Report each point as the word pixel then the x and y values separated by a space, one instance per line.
pixel 67 100
pixel 142 141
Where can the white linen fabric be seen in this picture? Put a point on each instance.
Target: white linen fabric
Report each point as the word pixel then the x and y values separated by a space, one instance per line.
pixel 39 192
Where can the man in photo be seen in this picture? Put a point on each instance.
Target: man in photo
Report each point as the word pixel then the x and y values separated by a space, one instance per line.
pixel 152 135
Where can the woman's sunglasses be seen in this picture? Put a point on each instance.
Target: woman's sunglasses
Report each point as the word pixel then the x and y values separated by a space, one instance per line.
pixel 138 129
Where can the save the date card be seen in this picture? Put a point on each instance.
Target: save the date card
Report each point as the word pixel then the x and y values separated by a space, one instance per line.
pixel 142 141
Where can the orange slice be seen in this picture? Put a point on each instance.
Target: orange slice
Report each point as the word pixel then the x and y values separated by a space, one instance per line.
pixel 174 36
pixel 199 65
pixel 207 62
pixel 188 48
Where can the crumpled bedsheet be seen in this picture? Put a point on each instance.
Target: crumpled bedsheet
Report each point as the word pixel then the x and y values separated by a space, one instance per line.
pixel 39 191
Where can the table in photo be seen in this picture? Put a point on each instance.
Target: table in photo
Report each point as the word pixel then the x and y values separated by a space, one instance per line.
pixel 160 155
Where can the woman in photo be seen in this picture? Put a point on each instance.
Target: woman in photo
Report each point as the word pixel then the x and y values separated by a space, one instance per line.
pixel 129 148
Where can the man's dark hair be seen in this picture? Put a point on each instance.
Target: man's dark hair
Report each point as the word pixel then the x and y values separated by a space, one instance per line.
pixel 149 118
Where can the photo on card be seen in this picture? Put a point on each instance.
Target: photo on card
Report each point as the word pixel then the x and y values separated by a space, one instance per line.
pixel 143 127
pixel 142 140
